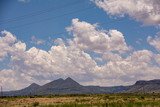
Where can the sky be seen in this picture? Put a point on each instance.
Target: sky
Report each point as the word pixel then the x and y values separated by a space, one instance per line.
pixel 95 42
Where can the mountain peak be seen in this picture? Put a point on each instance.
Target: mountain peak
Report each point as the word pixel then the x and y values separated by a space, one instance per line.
pixel 34 84
pixel 54 83
pixel 69 78
pixel 30 89
pixel 70 82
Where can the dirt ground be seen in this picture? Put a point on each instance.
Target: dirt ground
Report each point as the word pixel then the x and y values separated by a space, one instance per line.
pixel 22 102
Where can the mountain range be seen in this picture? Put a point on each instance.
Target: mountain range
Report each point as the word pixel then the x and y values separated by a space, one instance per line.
pixel 70 86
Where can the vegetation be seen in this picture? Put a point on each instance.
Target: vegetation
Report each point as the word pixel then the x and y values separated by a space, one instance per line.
pixel 35 104
pixel 84 100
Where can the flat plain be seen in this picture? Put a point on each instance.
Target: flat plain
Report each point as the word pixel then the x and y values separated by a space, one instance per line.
pixel 101 100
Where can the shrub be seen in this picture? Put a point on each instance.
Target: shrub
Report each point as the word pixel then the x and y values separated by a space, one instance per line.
pixel 35 104
pixel 142 97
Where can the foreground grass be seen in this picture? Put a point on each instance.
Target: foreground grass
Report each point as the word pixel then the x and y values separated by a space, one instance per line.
pixel 102 100
pixel 138 104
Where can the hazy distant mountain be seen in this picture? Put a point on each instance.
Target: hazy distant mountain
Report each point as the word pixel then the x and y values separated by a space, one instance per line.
pixel 152 86
pixel 30 90
pixel 69 86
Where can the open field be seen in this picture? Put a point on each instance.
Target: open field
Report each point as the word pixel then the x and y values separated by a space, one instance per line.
pixel 105 100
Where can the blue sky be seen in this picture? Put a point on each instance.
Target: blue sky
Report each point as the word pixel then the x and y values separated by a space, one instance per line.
pixel 104 42
pixel 60 15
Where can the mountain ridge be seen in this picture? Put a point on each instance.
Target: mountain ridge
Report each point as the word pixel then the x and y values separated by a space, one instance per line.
pixel 70 86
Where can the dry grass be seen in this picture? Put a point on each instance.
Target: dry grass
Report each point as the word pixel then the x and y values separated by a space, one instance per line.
pixel 81 100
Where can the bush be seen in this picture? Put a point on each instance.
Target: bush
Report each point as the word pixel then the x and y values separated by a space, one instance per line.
pixel 35 104
pixel 142 97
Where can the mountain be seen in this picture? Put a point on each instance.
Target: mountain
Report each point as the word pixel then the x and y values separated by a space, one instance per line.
pixel 30 90
pixel 69 86
pixel 152 86
pixel 60 86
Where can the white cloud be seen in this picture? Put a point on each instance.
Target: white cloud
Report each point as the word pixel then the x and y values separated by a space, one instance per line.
pixel 13 80
pixel 144 56
pixel 20 46
pixel 71 58
pixel 137 66
pixel 89 37
pixel 59 61
pixel 10 79
pixel 146 11
pixel 6 41
pixel 111 57
pixel 40 65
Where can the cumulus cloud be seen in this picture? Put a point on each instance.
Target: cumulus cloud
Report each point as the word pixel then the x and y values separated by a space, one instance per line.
pixel 76 57
pixel 89 37
pixel 126 70
pixel 6 41
pixel 7 77
pixel 20 46
pixel 40 66
pixel 145 11
pixel 13 80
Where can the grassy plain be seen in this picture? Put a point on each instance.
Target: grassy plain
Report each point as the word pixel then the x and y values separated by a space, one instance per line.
pixel 101 100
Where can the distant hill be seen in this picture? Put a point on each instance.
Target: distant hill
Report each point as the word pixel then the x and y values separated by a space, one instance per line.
pixel 69 86
pixel 30 90
pixel 152 86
